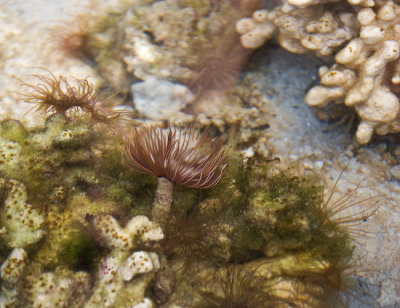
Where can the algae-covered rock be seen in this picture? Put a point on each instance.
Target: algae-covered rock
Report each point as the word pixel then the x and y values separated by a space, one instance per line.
pixel 266 231
pixel 164 39
pixel 55 178
pixel 263 237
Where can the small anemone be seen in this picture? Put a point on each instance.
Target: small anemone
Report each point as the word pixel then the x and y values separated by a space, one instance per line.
pixel 190 235
pixel 235 287
pixel 349 210
pixel 71 42
pixel 180 155
pixel 218 68
pixel 337 285
pixel 59 95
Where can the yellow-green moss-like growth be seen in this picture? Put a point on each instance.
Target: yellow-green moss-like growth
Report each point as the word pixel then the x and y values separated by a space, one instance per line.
pixel 72 169
pixel 285 214
pixel 272 225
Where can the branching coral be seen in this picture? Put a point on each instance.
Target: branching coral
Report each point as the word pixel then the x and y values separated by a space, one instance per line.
pixel 366 73
pixel 300 30
pixel 115 285
pixel 22 221
pixel 11 272
pixel 373 59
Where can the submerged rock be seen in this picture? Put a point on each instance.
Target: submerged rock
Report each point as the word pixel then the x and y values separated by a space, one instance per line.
pixel 158 99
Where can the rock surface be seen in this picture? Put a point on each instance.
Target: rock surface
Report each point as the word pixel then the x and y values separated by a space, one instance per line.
pixel 294 131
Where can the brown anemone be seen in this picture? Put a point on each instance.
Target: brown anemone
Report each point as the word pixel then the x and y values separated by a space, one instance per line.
pixel 58 95
pixel 180 155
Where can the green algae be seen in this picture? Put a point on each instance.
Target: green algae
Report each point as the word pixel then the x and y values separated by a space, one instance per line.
pixel 71 169
pixel 13 130
pixel 272 225
pixel 259 219
pixel 80 252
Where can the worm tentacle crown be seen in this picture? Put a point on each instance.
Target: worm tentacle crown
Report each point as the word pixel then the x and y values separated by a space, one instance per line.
pixel 181 155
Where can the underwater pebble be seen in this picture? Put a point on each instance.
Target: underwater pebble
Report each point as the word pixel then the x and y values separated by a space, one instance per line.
pixel 158 99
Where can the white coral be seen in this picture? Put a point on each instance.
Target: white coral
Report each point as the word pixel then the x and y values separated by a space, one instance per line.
pixel 10 272
pixel 138 263
pixel 299 29
pixel 374 94
pixel 256 30
pixel 118 270
pixel 61 288
pixel 366 75
pixel 139 228
pixel 20 219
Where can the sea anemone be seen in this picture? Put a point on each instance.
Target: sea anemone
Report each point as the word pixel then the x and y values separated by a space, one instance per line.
pixel 180 155
pixel 59 95
pixel 348 210
pixel 72 39
pixel 218 68
pixel 233 286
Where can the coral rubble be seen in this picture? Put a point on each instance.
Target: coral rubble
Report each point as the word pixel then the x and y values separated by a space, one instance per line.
pixel 188 42
pixel 363 34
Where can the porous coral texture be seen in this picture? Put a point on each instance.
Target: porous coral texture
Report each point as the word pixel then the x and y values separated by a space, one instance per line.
pixel 11 272
pixel 61 288
pixel 116 285
pixel 300 30
pixel 167 39
pixel 366 75
pixel 20 219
